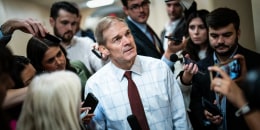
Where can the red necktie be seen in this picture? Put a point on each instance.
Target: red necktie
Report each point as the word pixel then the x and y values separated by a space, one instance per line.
pixel 135 102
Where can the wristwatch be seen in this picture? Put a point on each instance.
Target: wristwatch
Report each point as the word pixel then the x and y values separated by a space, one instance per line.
pixel 243 110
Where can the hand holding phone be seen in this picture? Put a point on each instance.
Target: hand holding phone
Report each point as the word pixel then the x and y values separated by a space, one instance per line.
pixel 231 67
pixel 84 114
pixel 90 101
pixel 176 40
pixel 210 107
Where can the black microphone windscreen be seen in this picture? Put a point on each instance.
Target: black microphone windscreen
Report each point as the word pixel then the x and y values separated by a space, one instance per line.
pixel 174 58
pixel 133 122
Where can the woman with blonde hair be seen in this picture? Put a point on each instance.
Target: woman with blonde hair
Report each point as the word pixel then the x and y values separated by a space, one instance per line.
pixel 52 103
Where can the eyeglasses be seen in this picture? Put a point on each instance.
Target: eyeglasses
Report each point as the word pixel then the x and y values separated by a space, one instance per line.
pixel 136 7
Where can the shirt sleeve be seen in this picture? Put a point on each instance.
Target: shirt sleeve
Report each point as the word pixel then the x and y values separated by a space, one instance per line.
pixel 180 118
pixel 168 62
pixel 4 39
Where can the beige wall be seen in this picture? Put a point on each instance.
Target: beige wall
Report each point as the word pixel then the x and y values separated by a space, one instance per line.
pixel 256 20
pixel 23 9
pixel 158 17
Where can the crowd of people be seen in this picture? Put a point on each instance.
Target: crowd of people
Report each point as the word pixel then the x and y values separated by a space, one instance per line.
pixel 135 75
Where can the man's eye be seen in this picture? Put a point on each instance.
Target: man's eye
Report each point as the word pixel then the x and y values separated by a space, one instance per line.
pixel 214 36
pixel 227 35
pixel 134 7
pixel 59 54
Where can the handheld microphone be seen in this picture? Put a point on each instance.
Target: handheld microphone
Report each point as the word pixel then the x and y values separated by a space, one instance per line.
pixel 175 58
pixel 133 122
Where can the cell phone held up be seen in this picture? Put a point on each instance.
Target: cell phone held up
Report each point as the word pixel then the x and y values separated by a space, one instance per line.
pixel 90 101
pixel 176 40
pixel 232 67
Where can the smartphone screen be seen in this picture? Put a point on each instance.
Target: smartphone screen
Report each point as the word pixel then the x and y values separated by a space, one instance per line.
pixel 232 68
pixel 90 101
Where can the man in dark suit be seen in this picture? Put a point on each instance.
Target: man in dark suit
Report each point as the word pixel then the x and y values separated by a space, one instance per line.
pixel 224 33
pixel 147 42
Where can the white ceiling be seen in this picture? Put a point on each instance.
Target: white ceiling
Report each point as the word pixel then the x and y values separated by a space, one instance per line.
pixel 48 3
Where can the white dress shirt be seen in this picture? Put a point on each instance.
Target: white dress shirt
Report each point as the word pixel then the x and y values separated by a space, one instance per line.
pixel 80 49
pixel 158 89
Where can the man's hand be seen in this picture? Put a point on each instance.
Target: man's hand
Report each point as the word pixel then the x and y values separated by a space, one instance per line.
pixel 29 25
pixel 173 48
pixel 213 119
pixel 228 87
pixel 189 70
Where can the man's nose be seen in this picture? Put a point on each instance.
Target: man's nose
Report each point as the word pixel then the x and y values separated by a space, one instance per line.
pixel 221 39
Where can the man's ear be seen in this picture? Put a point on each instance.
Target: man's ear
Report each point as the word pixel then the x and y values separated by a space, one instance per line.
pixel 238 33
pixel 125 10
pixel 103 50
pixel 52 21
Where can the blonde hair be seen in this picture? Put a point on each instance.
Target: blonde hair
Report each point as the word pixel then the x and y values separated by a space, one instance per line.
pixel 52 103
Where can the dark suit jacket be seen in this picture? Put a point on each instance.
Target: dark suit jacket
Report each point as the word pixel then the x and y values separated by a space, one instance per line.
pixel 201 88
pixel 144 46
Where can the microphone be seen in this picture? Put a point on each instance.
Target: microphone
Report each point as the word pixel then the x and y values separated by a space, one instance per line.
pixel 175 58
pixel 133 122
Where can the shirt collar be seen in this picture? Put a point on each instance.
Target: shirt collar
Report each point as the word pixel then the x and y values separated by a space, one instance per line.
pixel 142 27
pixel 72 43
pixel 216 61
pixel 136 69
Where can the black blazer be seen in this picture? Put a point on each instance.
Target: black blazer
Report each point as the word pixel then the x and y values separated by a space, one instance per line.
pixel 201 88
pixel 144 46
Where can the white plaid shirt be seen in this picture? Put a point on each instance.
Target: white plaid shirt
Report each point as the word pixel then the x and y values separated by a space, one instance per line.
pixel 158 89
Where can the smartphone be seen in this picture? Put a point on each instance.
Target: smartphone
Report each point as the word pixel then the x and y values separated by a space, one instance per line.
pixel 210 107
pixel 52 38
pixel 90 101
pixel 97 53
pixel 177 40
pixel 232 68
pixel 187 60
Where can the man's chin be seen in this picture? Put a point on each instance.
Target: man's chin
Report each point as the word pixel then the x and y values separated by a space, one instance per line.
pixel 67 39
pixel 224 53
